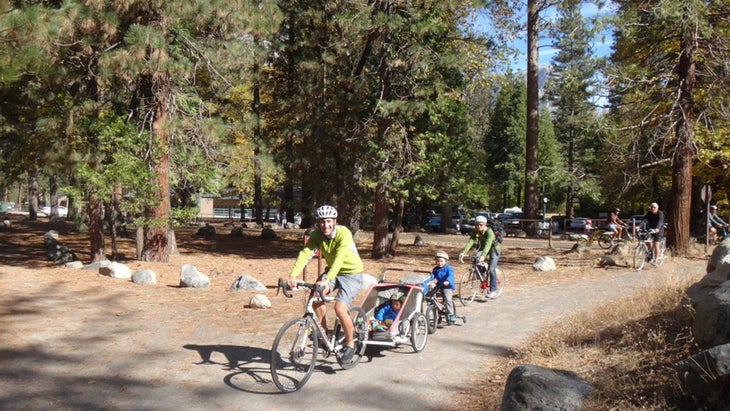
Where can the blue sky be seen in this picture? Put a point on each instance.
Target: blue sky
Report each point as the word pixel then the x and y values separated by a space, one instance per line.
pixel 602 47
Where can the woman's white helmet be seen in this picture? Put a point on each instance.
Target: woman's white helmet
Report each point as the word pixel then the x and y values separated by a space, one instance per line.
pixel 480 219
pixel 325 211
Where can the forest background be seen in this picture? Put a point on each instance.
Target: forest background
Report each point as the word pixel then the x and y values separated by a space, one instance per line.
pixel 385 109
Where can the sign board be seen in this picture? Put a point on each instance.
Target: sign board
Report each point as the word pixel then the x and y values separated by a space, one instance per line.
pixel 706 193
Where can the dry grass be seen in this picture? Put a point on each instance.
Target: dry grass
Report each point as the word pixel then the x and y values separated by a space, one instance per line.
pixel 625 349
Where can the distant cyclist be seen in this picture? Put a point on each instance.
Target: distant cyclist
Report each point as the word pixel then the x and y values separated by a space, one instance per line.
pixel 484 239
pixel 615 224
pixel 344 270
pixel 717 224
pixel 655 225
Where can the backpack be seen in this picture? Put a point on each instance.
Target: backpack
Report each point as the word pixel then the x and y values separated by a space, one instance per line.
pixel 497 227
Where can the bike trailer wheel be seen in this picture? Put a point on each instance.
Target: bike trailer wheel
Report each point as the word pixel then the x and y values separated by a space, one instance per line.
pixel 419 332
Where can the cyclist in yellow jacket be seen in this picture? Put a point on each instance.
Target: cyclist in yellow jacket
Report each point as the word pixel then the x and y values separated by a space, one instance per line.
pixel 344 270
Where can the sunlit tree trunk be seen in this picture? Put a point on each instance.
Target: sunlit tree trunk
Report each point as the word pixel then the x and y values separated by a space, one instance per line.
pixel 681 199
pixel 156 236
pixel 533 112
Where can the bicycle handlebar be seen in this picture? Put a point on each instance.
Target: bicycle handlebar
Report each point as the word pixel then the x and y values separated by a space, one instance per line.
pixel 284 287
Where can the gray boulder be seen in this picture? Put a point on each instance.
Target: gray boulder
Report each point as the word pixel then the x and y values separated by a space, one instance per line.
pixel 116 270
pixel 191 277
pixel 711 325
pixel 544 264
pixel 247 283
pixel 706 375
pixel 531 387
pixel 74 264
pixel 418 241
pixel 146 277
pixel 207 231
pixel 268 234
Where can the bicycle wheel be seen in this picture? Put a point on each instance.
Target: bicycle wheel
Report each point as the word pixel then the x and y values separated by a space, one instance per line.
pixel 419 332
pixel 360 337
pixel 468 287
pixel 605 240
pixel 294 354
pixel 640 253
pixel 432 317
pixel 501 279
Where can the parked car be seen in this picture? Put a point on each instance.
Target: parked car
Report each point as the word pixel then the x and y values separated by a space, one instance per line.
pixel 466 226
pixel 580 223
pixel 62 211
pixel 433 224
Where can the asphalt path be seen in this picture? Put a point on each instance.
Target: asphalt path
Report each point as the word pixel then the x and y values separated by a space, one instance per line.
pixel 402 379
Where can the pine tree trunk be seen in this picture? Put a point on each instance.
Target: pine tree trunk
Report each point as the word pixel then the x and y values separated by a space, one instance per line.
pixel 533 114
pixel 96 229
pixel 681 199
pixel 399 211
pixel 380 231
pixel 155 241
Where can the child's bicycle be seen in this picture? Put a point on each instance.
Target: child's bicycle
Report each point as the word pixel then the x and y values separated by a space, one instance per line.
pixel 295 348
pixel 476 279
pixel 603 237
pixel 435 309
pixel 644 252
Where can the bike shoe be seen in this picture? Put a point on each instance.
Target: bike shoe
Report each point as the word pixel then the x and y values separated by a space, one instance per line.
pixel 452 319
pixel 347 353
pixel 490 294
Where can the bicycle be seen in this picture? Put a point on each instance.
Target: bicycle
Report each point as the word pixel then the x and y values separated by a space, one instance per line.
pixel 294 352
pixel 435 310
pixel 603 237
pixel 644 250
pixel 475 279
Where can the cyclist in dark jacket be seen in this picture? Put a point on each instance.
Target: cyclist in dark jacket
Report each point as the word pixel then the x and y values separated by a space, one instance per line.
pixel 655 225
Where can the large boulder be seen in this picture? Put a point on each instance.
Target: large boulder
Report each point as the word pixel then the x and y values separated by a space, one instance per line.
pixel 191 277
pixel 711 325
pixel 706 376
pixel 531 387
pixel 116 270
pixel 544 264
pixel 247 283
pixel 146 277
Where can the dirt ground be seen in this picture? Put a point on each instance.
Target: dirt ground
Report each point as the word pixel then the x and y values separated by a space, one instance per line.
pixel 53 318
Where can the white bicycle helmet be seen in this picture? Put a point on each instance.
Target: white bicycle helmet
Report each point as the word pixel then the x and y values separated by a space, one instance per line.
pixel 442 254
pixel 481 219
pixel 325 211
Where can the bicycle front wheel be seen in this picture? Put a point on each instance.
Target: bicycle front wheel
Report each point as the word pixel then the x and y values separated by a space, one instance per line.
pixel 432 317
pixel 640 253
pixel 294 354
pixel 605 240
pixel 468 287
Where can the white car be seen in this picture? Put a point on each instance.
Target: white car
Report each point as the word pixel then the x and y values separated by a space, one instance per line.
pixel 62 211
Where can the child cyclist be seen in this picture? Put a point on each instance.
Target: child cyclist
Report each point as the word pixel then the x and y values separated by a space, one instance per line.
pixel 442 276
pixel 484 239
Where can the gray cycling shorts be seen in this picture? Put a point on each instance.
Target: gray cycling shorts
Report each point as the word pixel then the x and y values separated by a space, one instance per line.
pixel 348 286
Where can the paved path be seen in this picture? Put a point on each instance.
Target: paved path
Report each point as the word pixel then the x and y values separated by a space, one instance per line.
pixel 401 379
